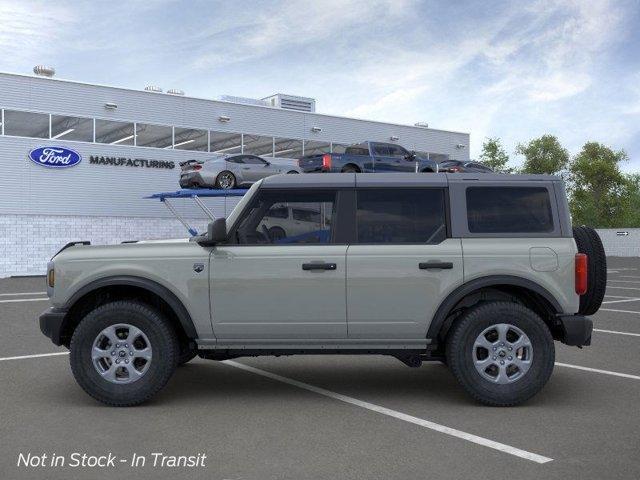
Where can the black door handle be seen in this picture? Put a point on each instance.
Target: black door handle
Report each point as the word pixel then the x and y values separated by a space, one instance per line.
pixel 435 265
pixel 319 266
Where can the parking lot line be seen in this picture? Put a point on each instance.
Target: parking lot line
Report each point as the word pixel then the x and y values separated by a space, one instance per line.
pixel 622 288
pixel 595 370
pixel 624 281
pixel 485 442
pixel 631 299
pixel 628 276
pixel 24 357
pixel 616 332
pixel 619 311
pixel 21 293
pixel 17 300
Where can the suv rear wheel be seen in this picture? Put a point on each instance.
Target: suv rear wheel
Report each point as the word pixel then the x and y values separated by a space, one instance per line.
pixel 502 353
pixel 123 353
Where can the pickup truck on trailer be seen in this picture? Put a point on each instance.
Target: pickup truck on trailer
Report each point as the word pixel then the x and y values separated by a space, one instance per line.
pixel 368 157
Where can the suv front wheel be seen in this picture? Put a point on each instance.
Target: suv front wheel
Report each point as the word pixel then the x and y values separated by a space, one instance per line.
pixel 123 353
pixel 502 353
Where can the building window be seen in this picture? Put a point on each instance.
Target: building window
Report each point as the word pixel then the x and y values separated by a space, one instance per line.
pixel 114 133
pixel 190 139
pixel 225 143
pixel 157 136
pixel 72 128
pixel 287 148
pixel 312 147
pixel 26 124
pixel 258 145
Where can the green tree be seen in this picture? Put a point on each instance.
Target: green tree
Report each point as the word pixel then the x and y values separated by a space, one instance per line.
pixel 600 192
pixel 494 155
pixel 632 214
pixel 543 155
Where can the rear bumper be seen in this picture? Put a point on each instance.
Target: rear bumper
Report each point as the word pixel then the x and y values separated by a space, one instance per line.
pixel 51 322
pixel 194 179
pixel 575 330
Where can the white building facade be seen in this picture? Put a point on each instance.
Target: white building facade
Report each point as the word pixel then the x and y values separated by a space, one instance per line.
pixel 129 144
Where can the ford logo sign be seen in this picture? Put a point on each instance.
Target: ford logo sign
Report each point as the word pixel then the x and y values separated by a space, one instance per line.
pixel 55 157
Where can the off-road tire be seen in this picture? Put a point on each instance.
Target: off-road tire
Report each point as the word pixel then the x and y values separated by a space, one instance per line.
pixel 459 353
pixel 350 169
pixel 186 352
pixel 163 341
pixel 589 243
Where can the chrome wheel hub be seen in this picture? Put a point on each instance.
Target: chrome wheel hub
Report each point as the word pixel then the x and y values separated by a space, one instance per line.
pixel 225 180
pixel 502 353
pixel 121 353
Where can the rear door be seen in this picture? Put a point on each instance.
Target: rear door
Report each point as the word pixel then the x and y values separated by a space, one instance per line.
pixel 402 264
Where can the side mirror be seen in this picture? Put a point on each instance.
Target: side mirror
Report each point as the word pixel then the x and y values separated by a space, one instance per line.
pixel 267 164
pixel 217 231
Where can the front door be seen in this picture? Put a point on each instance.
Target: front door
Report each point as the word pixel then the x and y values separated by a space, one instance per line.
pixel 281 278
pixel 402 265
pixel 255 168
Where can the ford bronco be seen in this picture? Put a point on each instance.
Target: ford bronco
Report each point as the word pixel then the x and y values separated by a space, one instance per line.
pixel 479 271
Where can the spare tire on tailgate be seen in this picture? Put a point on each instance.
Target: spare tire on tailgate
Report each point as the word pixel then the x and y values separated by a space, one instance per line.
pixel 589 243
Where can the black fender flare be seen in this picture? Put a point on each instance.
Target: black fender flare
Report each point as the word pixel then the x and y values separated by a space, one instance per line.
pixel 494 280
pixel 152 286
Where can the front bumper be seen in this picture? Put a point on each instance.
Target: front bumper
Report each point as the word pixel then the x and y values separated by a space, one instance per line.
pixel 575 330
pixel 51 322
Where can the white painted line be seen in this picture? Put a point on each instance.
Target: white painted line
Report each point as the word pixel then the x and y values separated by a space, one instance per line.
pixel 628 276
pixel 620 301
pixel 624 281
pixel 595 370
pixel 622 288
pixel 617 333
pixel 616 296
pixel 619 311
pixel 395 414
pixel 23 357
pixel 21 293
pixel 15 300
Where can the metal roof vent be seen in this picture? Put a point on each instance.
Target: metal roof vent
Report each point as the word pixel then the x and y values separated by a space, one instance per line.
pixel 175 91
pixel 153 88
pixel 422 124
pixel 292 102
pixel 44 71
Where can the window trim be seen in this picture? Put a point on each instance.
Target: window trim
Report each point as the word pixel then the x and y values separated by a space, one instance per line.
pixel 447 215
pixel 338 215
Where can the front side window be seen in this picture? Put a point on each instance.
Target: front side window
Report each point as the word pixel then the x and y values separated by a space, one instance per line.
pixel 397 151
pixel 401 216
pixel 251 160
pixel 381 150
pixel 509 210
pixel 267 220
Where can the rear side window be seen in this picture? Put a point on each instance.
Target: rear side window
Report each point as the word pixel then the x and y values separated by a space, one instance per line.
pixel 401 216
pixel 509 210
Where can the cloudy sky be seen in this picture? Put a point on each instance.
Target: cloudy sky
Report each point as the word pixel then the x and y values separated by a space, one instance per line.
pixel 515 70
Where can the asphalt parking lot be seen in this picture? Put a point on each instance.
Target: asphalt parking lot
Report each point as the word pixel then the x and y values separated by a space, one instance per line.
pixel 324 417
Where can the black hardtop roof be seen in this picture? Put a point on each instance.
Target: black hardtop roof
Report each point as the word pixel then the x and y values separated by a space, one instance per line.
pixel 344 180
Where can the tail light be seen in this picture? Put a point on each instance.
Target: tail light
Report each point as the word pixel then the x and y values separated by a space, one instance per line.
pixel 326 162
pixel 454 169
pixel 581 273
pixel 197 167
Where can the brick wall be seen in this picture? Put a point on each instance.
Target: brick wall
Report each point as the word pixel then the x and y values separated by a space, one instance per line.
pixel 27 242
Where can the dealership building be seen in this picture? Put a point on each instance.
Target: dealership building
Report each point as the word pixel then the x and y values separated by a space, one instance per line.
pixel 128 144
